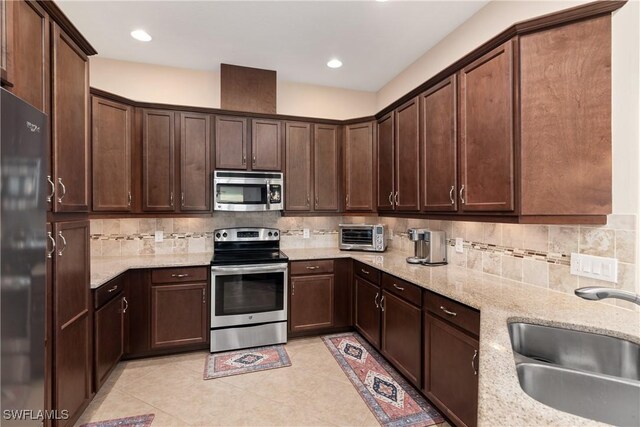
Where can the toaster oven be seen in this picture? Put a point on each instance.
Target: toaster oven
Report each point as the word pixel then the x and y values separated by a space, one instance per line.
pixel 363 237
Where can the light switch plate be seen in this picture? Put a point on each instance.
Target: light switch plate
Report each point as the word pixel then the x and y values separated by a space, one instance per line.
pixel 159 236
pixel 595 267
pixel 305 233
pixel 459 245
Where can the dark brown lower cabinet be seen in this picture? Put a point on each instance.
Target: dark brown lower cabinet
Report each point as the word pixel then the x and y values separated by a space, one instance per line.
pixel 451 370
pixel 108 325
pixel 367 310
pixel 178 315
pixel 402 336
pixel 311 302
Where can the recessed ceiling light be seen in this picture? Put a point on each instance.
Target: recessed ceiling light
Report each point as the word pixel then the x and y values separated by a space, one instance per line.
pixel 141 35
pixel 334 63
pixel 381 1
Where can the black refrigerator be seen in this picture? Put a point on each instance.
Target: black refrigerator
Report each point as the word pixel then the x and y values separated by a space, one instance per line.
pixel 23 171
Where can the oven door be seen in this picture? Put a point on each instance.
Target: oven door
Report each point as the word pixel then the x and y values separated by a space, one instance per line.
pixel 248 294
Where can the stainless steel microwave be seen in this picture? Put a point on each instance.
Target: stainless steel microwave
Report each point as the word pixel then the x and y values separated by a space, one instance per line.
pixel 248 191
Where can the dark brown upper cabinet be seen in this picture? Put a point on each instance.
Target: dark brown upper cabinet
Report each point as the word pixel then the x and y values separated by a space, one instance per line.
pixel 158 161
pixel 325 165
pixel 266 145
pixel 487 132
pixel 384 163
pixel 231 142
pixel 70 123
pixel 112 124
pixel 298 191
pixel 195 162
pixel 359 154
pixel 407 157
pixel 438 116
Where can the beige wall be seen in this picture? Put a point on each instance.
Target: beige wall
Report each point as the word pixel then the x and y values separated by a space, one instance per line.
pixel 150 83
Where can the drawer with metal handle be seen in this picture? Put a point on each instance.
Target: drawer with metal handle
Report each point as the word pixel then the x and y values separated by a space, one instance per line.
pixel 458 314
pixel 182 274
pixel 321 266
pixel 405 290
pixel 366 272
pixel 108 291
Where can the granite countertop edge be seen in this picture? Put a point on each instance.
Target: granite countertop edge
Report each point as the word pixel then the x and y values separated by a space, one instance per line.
pixel 500 301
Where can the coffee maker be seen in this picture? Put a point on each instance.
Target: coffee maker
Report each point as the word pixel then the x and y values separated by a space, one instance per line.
pixel 430 247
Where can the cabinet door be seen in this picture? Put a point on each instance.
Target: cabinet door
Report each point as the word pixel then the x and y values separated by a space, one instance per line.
pixel 178 315
pixel 70 124
pixel 6 41
pixel 311 302
pixel 266 145
pixel 486 132
pixel 111 152
pixel 359 173
pixel 402 335
pixel 297 187
pixel 385 163
pixel 407 157
pixel 138 315
pixel 231 142
pixel 343 293
pixel 108 324
pixel 450 367
pixel 367 310
pixel 30 68
pixel 325 166
pixel 158 160
pixel 195 162
pixel 72 326
pixel 439 146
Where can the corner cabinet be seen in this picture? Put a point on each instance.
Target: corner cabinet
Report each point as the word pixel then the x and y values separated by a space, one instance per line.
pixel 359 155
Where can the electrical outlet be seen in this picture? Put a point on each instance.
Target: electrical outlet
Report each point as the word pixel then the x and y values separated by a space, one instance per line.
pixel 159 236
pixel 595 267
pixel 459 245
pixel 305 233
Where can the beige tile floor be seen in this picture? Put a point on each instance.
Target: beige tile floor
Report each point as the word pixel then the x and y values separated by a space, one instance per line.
pixel 314 391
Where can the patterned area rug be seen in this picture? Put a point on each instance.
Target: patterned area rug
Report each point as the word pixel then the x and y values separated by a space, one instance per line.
pixel 393 401
pixel 137 421
pixel 240 362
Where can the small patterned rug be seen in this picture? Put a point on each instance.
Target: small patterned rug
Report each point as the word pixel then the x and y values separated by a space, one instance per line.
pixel 393 401
pixel 243 361
pixel 137 421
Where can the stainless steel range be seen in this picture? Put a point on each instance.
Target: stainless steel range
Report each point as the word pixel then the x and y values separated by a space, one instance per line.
pixel 248 289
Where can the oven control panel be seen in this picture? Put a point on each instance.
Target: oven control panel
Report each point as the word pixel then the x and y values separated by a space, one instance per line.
pixel 246 234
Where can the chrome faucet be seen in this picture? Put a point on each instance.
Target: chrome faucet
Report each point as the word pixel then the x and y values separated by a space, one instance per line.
pixel 595 293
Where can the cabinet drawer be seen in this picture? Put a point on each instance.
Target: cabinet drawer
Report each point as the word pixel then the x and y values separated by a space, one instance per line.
pixel 108 291
pixel 459 314
pixel 369 273
pixel 175 275
pixel 405 290
pixel 311 267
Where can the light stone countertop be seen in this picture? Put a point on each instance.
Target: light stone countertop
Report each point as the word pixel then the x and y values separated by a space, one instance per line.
pixel 501 400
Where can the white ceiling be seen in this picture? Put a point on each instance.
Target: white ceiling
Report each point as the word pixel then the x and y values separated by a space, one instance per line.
pixel 374 40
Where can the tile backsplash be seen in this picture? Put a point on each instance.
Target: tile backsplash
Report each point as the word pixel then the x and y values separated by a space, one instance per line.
pixel 535 254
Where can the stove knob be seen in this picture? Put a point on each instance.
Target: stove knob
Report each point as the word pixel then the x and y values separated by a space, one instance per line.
pixel 224 235
pixel 270 234
pixel 275 233
pixel 217 235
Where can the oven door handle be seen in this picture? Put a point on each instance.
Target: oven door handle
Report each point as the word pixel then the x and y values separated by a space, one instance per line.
pixel 250 269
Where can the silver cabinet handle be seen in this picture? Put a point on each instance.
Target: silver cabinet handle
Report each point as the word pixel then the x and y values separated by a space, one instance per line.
pixel 53 244
pixel 398 287
pixel 53 189
pixel 244 159
pixel 126 305
pixel 115 288
pixel 316 201
pixel 453 201
pixel 180 276
pixel 64 242
pixel 129 199
pixel 473 362
pixel 171 198
pixel 364 271
pixel 450 313
pixel 254 160
pixel 307 200
pixel 293 288
pixel 64 190
pixel 391 198
pixel 462 194
pixel 397 198
pixel 204 296
pixel 382 303
pixel 375 300
pixel 347 199
pixel 182 199
pixel 313 267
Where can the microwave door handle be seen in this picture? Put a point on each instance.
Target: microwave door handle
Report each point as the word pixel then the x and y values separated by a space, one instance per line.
pixel 268 196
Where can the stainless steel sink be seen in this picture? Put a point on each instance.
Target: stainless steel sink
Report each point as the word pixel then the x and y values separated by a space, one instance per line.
pixel 590 375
